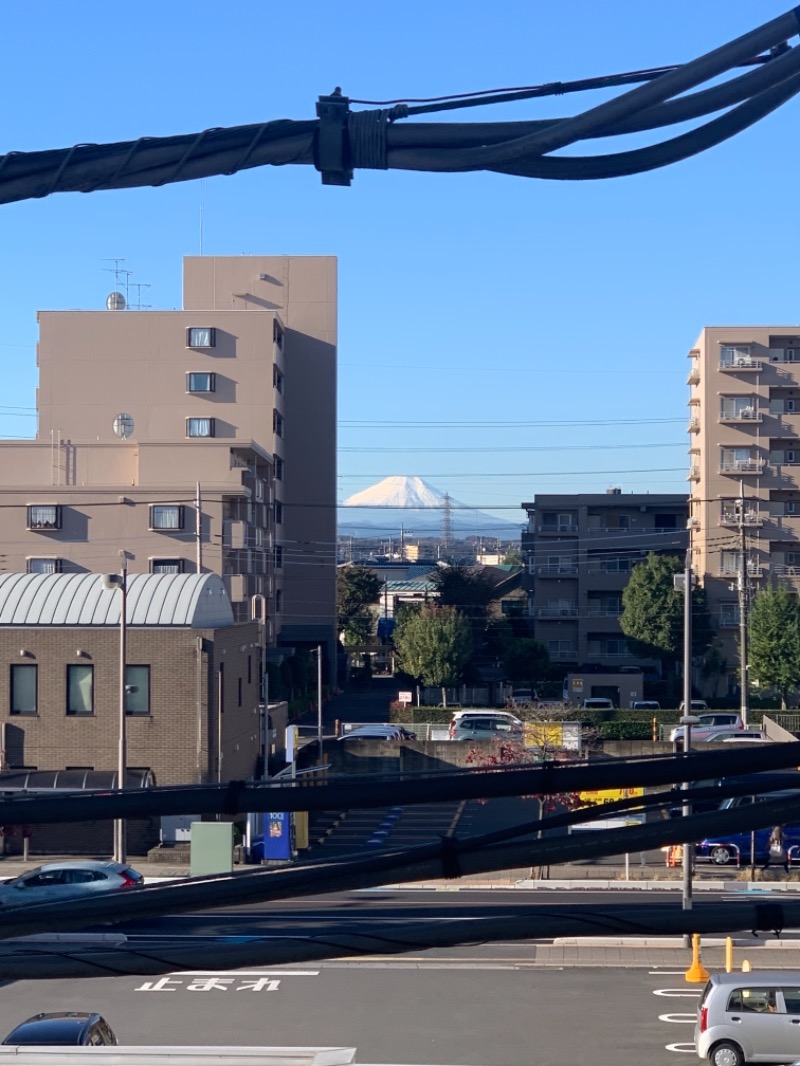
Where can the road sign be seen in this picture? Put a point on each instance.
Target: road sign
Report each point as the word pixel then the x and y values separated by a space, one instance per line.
pixel 405 697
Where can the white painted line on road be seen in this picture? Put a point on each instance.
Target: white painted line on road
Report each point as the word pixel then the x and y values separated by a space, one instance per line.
pixel 666 973
pixel 244 973
pixel 678 993
pixel 682 1049
pixel 677 1019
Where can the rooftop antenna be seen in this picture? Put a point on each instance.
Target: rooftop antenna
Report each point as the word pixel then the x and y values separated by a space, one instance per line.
pixel 139 285
pixel 116 301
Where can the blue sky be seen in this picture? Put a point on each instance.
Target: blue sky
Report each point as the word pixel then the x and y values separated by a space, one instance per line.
pixel 496 333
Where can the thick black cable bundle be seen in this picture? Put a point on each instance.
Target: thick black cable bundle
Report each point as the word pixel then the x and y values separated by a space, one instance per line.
pixel 340 141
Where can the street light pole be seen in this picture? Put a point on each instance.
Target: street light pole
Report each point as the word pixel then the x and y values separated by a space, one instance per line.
pixel 120 581
pixel 319 698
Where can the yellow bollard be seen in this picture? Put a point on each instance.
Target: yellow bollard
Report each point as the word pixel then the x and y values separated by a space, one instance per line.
pixel 746 967
pixel 697 971
pixel 728 954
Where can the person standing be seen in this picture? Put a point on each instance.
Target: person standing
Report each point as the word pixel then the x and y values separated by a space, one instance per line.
pixel 776 849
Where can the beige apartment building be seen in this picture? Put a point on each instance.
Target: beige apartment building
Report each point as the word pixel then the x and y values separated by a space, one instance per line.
pixel 744 430
pixel 580 550
pixel 200 440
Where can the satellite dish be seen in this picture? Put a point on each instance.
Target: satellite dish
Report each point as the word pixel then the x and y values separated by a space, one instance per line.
pixel 115 301
pixel 123 425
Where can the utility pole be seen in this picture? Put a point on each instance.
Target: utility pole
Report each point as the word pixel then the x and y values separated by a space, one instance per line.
pixel 742 589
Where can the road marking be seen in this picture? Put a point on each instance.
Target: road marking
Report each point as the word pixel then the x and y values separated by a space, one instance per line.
pixel 682 1049
pixel 677 992
pixel 677 1019
pixel 666 973
pixel 244 973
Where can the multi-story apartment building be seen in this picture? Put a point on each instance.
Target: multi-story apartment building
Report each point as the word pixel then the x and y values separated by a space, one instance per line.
pixel 579 552
pixel 195 440
pixel 744 431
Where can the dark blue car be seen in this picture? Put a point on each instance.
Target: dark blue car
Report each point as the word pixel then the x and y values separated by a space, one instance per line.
pixel 736 847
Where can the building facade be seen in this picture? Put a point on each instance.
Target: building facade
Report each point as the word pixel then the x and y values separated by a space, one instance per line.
pixel 579 551
pixel 744 474
pixel 201 440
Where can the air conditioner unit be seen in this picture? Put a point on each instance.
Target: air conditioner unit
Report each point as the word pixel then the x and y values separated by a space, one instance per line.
pixel 693 523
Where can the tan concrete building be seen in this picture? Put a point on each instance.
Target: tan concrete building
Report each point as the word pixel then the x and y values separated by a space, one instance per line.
pixel 579 551
pixel 744 431
pixel 198 440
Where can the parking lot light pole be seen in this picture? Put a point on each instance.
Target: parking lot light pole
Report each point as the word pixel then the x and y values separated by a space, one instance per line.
pixel 120 581
pixel 687 721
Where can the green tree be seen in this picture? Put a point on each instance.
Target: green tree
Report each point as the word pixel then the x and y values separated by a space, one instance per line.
pixel 525 661
pixel 774 631
pixel 513 556
pixel 433 645
pixel 468 590
pixel 357 589
pixel 652 612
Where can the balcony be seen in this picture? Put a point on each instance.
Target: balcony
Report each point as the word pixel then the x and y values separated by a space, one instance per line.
pixel 741 466
pixel 557 612
pixel 741 362
pixel 782 570
pixel 598 612
pixel 744 414
pixel 732 570
pixel 556 570
pixel 561 527
pixel 750 519
pixel 694 425
pixel 694 376
pixel 694 473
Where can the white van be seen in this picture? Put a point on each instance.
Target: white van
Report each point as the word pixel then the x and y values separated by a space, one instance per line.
pixel 749 1017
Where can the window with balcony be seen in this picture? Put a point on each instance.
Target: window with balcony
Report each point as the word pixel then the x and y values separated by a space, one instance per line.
pixel 560 649
pixel 197 381
pixel 730 562
pixel 733 355
pixel 555 522
pixel 167 516
pixel 739 461
pixel 166 566
pixel 200 427
pixel 622 565
pixel 23 689
pixel 739 408
pixel 44 516
pixel 137 690
pixel 44 566
pixel 201 337
pixel 80 689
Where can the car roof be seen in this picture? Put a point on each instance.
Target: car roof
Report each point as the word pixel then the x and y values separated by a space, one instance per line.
pixel 77 864
pixel 755 977
pixel 60 1027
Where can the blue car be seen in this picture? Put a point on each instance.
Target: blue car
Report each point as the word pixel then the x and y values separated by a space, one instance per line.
pixel 736 847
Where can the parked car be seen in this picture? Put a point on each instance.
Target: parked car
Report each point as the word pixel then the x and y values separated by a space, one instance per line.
pixel 61 880
pixel 501 716
pixel 597 703
pixel 728 848
pixel 646 705
pixel 68 1027
pixel 716 722
pixel 696 706
pixel 374 731
pixel 486 728
pixel 749 1017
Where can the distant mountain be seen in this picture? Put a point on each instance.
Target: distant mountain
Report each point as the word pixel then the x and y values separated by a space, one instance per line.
pixel 417 507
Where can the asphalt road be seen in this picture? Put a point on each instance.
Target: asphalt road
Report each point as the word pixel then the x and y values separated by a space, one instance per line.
pixel 487 1008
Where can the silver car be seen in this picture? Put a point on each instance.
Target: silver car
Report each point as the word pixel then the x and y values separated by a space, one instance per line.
pixel 64 880
pixel 749 1017
pixel 489 728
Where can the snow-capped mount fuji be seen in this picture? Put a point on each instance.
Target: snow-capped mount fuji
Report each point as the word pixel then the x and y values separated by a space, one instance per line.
pixel 417 507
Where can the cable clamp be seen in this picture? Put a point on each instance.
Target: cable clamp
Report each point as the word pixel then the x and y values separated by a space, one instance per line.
pixel 332 155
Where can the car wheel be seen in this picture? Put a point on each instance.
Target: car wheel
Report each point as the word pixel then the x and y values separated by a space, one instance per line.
pixel 726 1054
pixel 720 856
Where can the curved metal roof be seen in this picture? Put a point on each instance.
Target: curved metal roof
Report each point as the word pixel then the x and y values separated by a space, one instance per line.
pixel 195 600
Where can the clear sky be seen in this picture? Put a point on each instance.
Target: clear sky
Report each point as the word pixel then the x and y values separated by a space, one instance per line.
pixel 499 337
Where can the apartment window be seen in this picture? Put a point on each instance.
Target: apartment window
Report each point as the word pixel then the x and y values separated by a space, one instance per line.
pixel 200 427
pixel 166 566
pixel 278 601
pixel 24 683
pixel 199 382
pixel 791 457
pixel 278 512
pixel 791 507
pixel 201 337
pixel 561 523
pixel 44 516
pixel 613 646
pixel 616 566
pixel 728 615
pixel 278 556
pixel 559 648
pixel 738 407
pixel 278 468
pixel 239 691
pixel 730 562
pixel 277 334
pixel 791 405
pixel 167 516
pixel 80 689
pixel 734 354
pixel 137 690
pixel 277 379
pixel 259 489
pixel 277 423
pixel 44 566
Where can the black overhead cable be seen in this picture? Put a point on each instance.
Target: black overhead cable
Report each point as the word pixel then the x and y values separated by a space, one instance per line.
pixel 340 141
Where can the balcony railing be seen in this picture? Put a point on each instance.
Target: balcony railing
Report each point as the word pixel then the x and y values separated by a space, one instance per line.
pixel 732 570
pixel 599 612
pixel 694 376
pixel 564 653
pixel 553 570
pixel 562 527
pixel 612 529
pixel 694 473
pixel 751 519
pixel 742 362
pixel 728 621
pixel 745 414
pixel 557 612
pixel 694 425
pixel 782 570
pixel 741 466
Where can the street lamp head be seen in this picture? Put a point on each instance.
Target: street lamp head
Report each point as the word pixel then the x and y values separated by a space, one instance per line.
pixel 689 719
